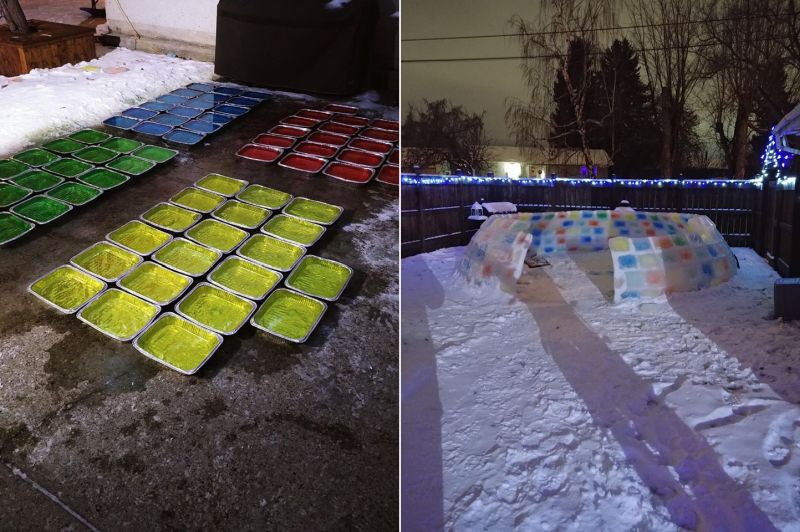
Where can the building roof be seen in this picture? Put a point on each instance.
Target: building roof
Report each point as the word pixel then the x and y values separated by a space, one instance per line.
pixel 544 156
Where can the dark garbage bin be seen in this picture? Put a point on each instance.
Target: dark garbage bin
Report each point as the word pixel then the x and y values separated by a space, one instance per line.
pixel 787 298
pixel 302 45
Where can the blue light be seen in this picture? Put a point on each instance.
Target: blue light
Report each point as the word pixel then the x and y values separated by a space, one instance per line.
pixel 429 180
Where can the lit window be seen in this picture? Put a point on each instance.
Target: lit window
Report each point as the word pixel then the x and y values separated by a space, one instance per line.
pixel 512 170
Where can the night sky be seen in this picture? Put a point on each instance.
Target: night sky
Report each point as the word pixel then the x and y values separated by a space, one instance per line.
pixel 477 85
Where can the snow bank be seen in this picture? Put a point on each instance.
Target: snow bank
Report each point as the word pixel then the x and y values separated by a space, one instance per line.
pixel 48 103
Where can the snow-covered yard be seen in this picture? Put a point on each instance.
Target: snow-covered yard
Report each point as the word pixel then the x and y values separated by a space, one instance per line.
pixel 554 409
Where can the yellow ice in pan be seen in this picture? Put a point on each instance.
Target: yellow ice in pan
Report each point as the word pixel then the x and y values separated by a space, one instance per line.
pixel 106 261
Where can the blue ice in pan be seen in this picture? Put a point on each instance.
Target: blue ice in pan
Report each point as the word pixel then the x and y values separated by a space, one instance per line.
pixel 181 136
pixel 213 98
pixel 171 98
pixel 169 119
pixel 202 87
pixel 216 118
pixel 233 110
pixel 241 100
pixel 157 106
pixel 228 90
pixel 139 113
pixel 121 122
pixel 258 95
pixel 201 126
pixel 186 93
pixel 194 103
pixel 152 129
pixel 187 112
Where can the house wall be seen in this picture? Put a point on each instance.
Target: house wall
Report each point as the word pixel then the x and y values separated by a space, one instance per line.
pixel 186 28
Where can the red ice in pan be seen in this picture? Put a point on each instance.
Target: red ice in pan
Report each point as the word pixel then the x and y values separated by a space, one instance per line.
pixel 301 121
pixel 316 114
pixel 341 109
pixel 331 139
pixel 375 146
pixel 358 121
pixel 382 123
pixel 257 152
pixel 290 131
pixel 381 134
pixel 394 158
pixel 363 158
pixel 389 174
pixel 340 129
pixel 314 148
pixel 278 141
pixel 349 172
pixel 304 163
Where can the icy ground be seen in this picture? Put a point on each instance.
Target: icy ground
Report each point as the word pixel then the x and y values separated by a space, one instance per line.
pixel 553 409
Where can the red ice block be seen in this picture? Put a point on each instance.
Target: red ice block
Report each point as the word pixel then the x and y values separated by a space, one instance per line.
pixel 290 131
pixel 304 163
pixel 375 146
pixel 362 158
pixel 301 121
pixel 314 113
pixel 341 109
pixel 380 134
pixel 349 172
pixel 279 141
pixel 382 123
pixel 394 158
pixel 389 174
pixel 314 148
pixel 358 121
pixel 331 139
pixel 339 129
pixel 258 152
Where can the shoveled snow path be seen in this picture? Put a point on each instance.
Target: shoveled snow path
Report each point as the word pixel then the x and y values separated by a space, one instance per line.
pixel 519 447
pixel 749 425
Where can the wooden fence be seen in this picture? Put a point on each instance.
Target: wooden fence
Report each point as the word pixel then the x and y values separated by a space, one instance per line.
pixel 435 216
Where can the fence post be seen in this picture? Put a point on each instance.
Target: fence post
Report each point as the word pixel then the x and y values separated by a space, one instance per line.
pixel 461 220
pixel 420 218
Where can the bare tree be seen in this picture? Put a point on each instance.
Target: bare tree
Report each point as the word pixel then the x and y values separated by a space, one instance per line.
pixel 547 46
pixel 12 12
pixel 668 43
pixel 739 57
pixel 442 133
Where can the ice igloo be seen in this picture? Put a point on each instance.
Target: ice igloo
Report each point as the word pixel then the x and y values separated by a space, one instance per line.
pixel 652 253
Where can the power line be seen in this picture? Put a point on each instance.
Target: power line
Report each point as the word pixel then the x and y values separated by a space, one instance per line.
pixel 598 52
pixel 609 28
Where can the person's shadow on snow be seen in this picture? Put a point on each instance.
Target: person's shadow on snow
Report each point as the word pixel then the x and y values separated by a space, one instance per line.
pixel 420 407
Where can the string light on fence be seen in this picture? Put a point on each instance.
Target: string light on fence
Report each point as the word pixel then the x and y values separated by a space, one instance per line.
pixel 426 180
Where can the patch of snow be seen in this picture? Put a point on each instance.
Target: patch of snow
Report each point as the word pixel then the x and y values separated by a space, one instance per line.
pixel 336 4
pixel 499 207
pixel 519 448
pixel 47 103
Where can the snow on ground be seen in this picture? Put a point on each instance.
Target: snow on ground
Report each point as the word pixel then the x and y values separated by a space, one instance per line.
pixel 47 103
pixel 50 102
pixel 551 408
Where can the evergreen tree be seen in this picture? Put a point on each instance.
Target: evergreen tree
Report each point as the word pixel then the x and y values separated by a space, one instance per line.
pixel 563 133
pixel 772 102
pixel 630 132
